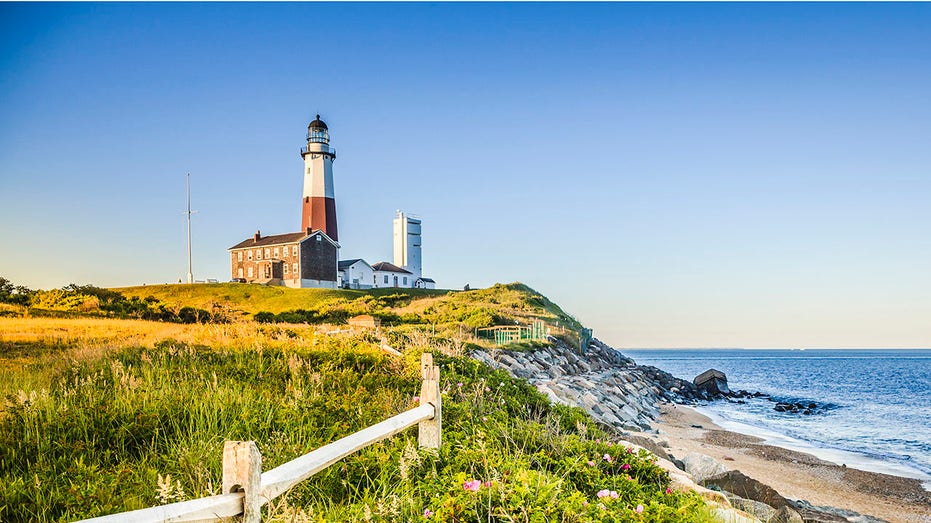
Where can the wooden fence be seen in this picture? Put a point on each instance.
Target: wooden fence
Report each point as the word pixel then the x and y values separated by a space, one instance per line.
pixel 246 488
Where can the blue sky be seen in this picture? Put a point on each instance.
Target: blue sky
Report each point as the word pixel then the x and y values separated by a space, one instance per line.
pixel 675 175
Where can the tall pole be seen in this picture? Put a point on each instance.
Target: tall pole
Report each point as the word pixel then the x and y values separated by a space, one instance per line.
pixel 190 273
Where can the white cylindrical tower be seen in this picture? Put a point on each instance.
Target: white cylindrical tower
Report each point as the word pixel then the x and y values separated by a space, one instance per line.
pixel 407 243
pixel 319 201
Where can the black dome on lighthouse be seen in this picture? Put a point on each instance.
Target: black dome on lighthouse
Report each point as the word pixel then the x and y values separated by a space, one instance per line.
pixel 317 124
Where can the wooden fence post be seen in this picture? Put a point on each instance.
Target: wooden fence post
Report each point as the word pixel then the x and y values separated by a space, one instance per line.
pixel 242 471
pixel 430 431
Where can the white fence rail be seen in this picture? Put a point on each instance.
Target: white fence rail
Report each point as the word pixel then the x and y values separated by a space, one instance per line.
pixel 246 488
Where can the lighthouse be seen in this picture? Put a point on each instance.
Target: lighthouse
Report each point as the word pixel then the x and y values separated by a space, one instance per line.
pixel 319 202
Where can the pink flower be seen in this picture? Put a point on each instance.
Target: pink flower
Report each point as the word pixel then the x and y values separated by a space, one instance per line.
pixel 613 494
pixel 486 484
pixel 484 418
pixel 639 509
pixel 472 485
pixel 487 389
pixel 459 384
pixel 607 457
pixel 603 493
pixel 625 466
pixel 601 506
pixel 427 513
pixel 585 503
pixel 630 450
pixel 416 398
pixel 591 463
pixel 668 490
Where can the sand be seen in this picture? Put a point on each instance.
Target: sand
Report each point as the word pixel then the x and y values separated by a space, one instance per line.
pixel 796 475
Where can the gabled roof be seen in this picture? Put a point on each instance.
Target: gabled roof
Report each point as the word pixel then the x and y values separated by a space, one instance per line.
pixel 345 264
pixel 427 280
pixel 387 267
pixel 275 239
pixel 278 239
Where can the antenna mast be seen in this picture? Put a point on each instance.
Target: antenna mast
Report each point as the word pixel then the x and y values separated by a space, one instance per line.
pixel 190 273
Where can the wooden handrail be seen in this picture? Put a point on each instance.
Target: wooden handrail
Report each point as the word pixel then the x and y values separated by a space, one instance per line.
pixel 275 482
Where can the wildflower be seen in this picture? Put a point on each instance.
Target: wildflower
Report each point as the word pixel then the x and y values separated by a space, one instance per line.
pixel 486 484
pixel 584 503
pixel 459 384
pixel 639 509
pixel 591 463
pixel 614 494
pixel 487 389
pixel 601 506
pixel 607 457
pixel 625 466
pixel 416 399
pixel 484 418
pixel 427 513
pixel 668 490
pixel 603 493
pixel 472 485
pixel 630 450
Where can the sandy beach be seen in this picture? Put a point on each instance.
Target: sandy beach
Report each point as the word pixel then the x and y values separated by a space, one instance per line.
pixel 796 475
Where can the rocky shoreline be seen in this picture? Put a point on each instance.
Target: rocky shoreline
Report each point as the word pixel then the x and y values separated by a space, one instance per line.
pixel 627 398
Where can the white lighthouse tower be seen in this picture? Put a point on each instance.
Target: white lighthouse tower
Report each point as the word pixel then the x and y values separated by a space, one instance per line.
pixel 407 244
pixel 319 201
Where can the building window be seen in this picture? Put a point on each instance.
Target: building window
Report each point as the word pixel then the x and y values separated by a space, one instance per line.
pixel 239 273
pixel 386 279
pixel 294 269
pixel 239 256
pixel 249 255
pixel 258 254
pixel 294 251
pixel 277 254
pixel 285 268
pixel 405 280
pixel 250 272
pixel 268 254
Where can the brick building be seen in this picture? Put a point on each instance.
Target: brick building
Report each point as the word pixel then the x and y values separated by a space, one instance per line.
pixel 297 259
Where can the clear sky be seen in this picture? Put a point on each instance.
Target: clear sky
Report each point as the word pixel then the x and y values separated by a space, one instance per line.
pixel 675 175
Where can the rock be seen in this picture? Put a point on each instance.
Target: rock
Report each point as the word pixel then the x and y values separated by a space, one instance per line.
pixel 712 381
pixel 702 467
pixel 761 511
pixel 820 514
pixel 744 486
pixel 786 515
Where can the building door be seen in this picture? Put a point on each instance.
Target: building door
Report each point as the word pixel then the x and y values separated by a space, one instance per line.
pixel 395 281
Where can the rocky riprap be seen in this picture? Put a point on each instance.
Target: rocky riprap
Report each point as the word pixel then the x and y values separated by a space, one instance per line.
pixel 611 387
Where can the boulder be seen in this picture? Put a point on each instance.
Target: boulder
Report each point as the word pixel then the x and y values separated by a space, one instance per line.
pixel 786 515
pixel 739 484
pixel 761 511
pixel 702 467
pixel 712 381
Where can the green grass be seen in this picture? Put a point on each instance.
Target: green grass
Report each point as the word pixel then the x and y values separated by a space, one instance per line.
pixel 250 299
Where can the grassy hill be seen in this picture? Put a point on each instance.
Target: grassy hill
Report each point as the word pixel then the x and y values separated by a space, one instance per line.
pixel 103 414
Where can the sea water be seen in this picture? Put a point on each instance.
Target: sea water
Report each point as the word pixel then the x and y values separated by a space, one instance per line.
pixel 874 405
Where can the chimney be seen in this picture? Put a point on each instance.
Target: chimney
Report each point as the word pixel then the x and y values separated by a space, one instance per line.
pixel 309 231
pixel 257 237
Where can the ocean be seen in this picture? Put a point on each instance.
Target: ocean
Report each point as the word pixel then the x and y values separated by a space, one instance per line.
pixel 876 412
